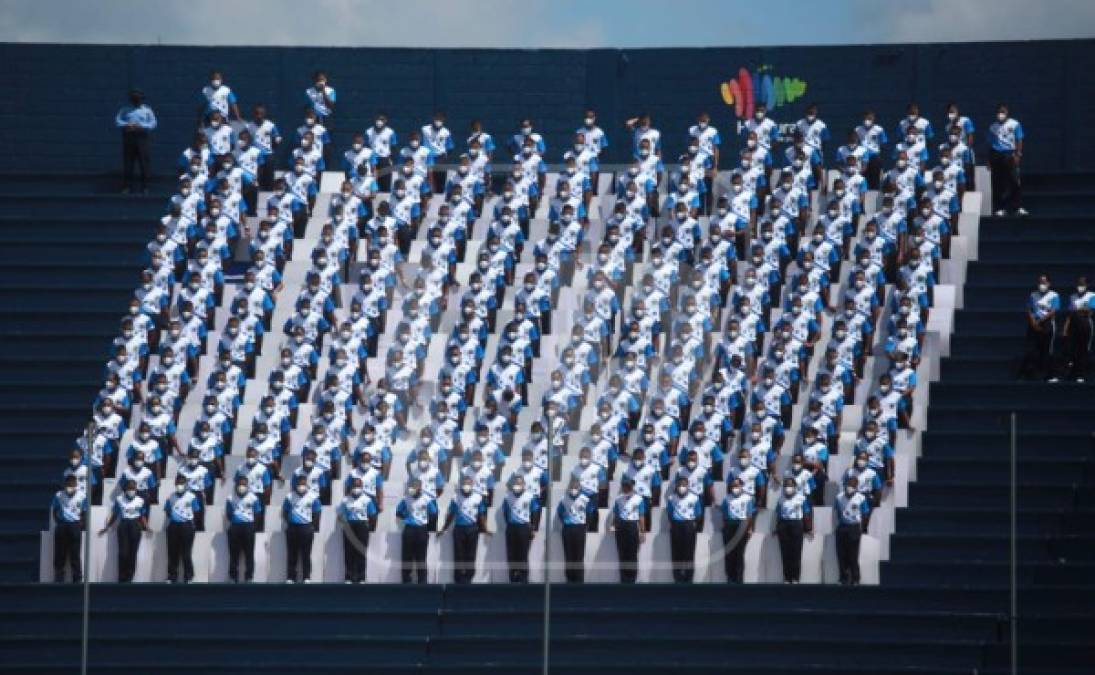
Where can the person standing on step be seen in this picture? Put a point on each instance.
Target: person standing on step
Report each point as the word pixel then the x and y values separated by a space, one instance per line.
pixel 794 520
pixel 522 513
pixel 301 511
pixel 627 511
pixel 1006 138
pixel 1078 329
pixel 1042 306
pixel 684 509
pixel 357 513
pixel 468 511
pixel 68 509
pixel 418 513
pixel 576 512
pixel 136 122
pixel 850 509
pixel 738 515
pixel 242 510
pixel 181 507
pixel 130 513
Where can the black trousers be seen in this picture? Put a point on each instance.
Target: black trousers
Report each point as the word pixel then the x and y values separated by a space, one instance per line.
pixel 627 549
pixel 790 533
pixel 438 175
pixel 241 542
pixel 1038 356
pixel 1079 342
pixel 266 173
pixel 129 542
pixel 874 172
pixel 734 551
pixel 299 539
pixel 415 542
pixel 180 545
pixel 384 173
pixel 518 541
pixel 847 552
pixel 135 153
pixel 465 542
pixel 574 552
pixel 682 546
pixel 66 551
pixel 354 550
pixel 1007 191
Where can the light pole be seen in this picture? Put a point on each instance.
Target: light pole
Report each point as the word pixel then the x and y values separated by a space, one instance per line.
pixel 550 414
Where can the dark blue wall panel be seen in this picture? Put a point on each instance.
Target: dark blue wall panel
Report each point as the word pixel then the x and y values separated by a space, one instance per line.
pixel 58 101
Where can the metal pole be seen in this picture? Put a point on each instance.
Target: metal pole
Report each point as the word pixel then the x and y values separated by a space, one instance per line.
pixel 87 549
pixel 546 514
pixel 1014 550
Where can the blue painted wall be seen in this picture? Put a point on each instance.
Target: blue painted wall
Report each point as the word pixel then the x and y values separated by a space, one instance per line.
pixel 57 101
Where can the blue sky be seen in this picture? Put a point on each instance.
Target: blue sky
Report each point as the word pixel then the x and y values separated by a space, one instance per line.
pixel 536 24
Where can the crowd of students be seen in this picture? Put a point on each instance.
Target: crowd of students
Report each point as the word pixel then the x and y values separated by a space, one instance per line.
pixel 713 296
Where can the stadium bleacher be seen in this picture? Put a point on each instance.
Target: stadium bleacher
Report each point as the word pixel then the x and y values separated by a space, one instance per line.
pixel 935 563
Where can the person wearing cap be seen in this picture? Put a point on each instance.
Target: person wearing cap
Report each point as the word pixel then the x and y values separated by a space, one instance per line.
pixel 357 513
pixel 181 508
pixel 136 122
pixel 130 514
pixel 794 519
pixel 68 508
pixel 627 510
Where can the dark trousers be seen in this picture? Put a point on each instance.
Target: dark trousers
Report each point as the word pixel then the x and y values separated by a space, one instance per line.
pixel 355 544
pixel 627 549
pixel 438 175
pixel 734 551
pixel 1079 341
pixel 1038 358
pixel 682 546
pixel 135 153
pixel 518 541
pixel 790 533
pixel 415 541
pixel 180 544
pixel 384 173
pixel 465 542
pixel 299 538
pixel 847 552
pixel 66 550
pixel 129 541
pixel 1007 191
pixel 241 542
pixel 874 172
pixel 266 174
pixel 574 552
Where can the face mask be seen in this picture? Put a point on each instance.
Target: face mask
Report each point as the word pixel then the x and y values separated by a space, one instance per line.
pixel 584 462
pixel 302 489
pixel 691 464
pixel 1042 288
pixel 861 463
pixel 789 491
pixel 1001 117
pixel 130 494
pixel 682 490
pixel 1080 290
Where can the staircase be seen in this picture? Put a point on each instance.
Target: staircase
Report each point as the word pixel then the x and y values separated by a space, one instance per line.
pixel 71 250
pixel 956 530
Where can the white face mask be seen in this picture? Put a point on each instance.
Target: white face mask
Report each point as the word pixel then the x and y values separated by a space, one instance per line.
pixel 179 489
pixel 302 489
pixel 849 491
pixel 130 494
pixel 1042 288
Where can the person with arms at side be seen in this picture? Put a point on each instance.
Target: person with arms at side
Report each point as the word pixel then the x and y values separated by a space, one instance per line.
pixel 1042 306
pixel 850 511
pixel 1077 330
pixel 301 511
pixel 417 511
pixel 357 513
pixel 181 508
pixel 794 519
pixel 738 516
pixel 130 513
pixel 242 510
pixel 627 511
pixel 576 512
pixel 1007 139
pixel 68 510
pixel 137 122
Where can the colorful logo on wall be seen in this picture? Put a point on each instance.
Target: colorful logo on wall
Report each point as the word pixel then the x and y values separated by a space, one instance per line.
pixel 747 89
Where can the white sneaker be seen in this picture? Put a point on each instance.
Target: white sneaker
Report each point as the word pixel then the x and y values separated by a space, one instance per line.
pixel 1079 380
pixel 307 581
pixel 1001 212
pixel 1053 380
pixel 290 581
pixel 1023 212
